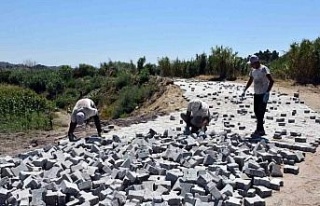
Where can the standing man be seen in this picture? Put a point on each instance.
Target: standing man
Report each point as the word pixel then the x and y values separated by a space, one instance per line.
pixel 197 116
pixel 263 82
pixel 82 111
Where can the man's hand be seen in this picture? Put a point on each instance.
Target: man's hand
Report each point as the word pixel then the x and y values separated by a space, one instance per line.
pixel 266 97
pixel 243 93
pixel 205 122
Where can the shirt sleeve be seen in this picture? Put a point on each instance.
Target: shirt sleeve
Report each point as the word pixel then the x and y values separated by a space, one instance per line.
pixel 250 73
pixel 267 70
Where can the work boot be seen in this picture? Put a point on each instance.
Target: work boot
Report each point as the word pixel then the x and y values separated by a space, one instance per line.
pixel 73 138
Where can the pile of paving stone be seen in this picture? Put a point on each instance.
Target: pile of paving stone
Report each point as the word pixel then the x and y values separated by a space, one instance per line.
pixel 167 167
pixel 152 169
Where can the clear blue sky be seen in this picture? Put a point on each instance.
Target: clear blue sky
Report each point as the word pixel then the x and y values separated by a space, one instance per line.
pixel 56 32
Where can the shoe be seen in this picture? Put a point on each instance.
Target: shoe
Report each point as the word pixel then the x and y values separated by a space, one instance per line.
pixel 73 138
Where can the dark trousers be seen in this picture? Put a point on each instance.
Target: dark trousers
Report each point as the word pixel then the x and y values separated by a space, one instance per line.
pixel 259 110
pixel 187 120
pixel 96 119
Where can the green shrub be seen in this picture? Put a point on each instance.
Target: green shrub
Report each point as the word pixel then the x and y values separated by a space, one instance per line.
pixel 130 97
pixel 123 79
pixel 23 109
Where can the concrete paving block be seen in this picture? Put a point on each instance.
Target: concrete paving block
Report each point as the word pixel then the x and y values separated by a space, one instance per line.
pixel 291 169
pixel 164 183
pixel 184 187
pixel 255 172
pixel 254 201
pixel 299 156
pixel 6 172
pixel 69 188
pixel 291 120
pixel 31 183
pixel 21 167
pixel 24 174
pixel 4 194
pixel 288 154
pixel 25 201
pixel 233 167
pixel 190 175
pixel 300 139
pixel 214 191
pixel 40 162
pixel 73 202
pixel 232 201
pixel 85 185
pixel 49 164
pixel 51 198
pixel 263 192
pixel 295 134
pixel 197 189
pixel 280 119
pixel 251 192
pixel 261 181
pixel 66 164
pixel 172 199
pixel 88 197
pixel 275 170
pixel 136 194
pixel 204 179
pixel 227 190
pixel 288 161
pixel 173 175
pixel 76 167
pixel 242 184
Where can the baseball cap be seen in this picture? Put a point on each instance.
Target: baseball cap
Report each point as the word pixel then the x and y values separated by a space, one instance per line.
pixel 80 118
pixel 253 59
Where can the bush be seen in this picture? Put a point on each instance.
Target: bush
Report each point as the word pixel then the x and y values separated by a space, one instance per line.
pixel 123 79
pixel 130 97
pixel 144 76
pixel 23 109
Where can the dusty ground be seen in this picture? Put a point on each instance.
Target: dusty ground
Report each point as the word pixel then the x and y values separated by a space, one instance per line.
pixel 300 190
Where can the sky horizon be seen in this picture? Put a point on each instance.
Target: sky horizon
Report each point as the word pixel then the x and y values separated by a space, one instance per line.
pixel 72 32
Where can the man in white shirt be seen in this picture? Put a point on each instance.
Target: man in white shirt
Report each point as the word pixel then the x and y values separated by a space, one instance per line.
pixel 197 116
pixel 263 82
pixel 83 111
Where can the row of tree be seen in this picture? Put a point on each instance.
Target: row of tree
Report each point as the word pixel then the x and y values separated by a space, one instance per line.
pixel 222 62
pixel 300 63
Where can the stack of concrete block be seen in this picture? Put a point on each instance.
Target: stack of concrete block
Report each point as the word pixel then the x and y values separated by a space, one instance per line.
pixel 88 172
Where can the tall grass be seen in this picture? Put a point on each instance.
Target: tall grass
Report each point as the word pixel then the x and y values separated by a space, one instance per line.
pixel 22 109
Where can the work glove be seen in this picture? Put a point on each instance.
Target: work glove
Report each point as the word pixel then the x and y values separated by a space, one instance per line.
pixel 266 97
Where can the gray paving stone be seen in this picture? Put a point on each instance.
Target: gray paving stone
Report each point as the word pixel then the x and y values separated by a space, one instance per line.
pixel 263 192
pixel 172 199
pixel 242 184
pixel 69 188
pixel 291 169
pixel 254 201
pixel 275 170
pixel 232 201
pixel 88 197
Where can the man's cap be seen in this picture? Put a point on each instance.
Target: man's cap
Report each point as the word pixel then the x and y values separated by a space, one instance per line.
pixel 80 118
pixel 253 59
